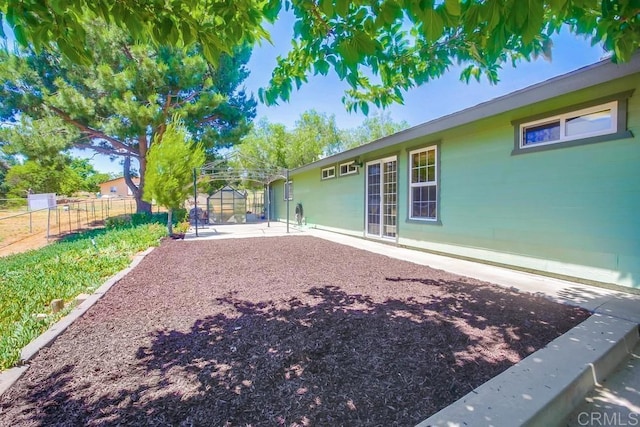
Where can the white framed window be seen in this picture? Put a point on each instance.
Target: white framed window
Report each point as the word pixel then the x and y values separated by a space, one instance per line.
pixel 288 190
pixel 348 168
pixel 423 184
pixel 113 189
pixel 585 123
pixel 328 173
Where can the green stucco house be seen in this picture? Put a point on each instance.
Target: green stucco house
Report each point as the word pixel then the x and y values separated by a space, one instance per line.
pixel 545 179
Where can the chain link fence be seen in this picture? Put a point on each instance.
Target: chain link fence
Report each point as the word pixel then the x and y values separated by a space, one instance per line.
pixel 18 223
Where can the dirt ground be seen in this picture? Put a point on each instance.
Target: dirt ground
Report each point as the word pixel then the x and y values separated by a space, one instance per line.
pixel 286 331
pixel 21 231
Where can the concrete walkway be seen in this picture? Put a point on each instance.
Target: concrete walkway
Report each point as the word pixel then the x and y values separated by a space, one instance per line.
pixel 588 376
pixel 551 386
pixel 616 401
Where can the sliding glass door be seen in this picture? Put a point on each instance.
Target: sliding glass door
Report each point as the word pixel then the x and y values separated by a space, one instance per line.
pixel 382 198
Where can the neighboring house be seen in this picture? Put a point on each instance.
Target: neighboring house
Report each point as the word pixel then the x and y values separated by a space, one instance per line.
pixel 545 179
pixel 117 187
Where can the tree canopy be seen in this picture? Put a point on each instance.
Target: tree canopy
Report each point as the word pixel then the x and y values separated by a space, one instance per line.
pixel 313 137
pixel 123 101
pixel 380 47
pixel 271 145
pixel 46 168
pixel 171 163
pixel 374 127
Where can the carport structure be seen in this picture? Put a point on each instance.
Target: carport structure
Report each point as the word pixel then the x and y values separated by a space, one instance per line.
pixel 224 170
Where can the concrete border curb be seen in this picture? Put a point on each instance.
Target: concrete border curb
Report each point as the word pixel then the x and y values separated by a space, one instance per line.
pixel 10 376
pixel 545 387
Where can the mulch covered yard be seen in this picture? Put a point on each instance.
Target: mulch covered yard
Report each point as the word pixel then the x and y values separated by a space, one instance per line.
pixel 279 331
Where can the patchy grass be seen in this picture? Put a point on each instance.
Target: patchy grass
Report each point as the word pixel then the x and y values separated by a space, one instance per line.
pixel 29 281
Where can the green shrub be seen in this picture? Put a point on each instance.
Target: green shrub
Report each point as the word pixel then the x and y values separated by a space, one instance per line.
pixel 119 221
pixel 78 264
pixel 140 218
pixel 179 215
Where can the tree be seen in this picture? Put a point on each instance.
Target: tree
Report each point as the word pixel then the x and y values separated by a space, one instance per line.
pixel 314 136
pixel 380 47
pixel 383 48
pixel 34 177
pixel 90 177
pixel 263 147
pixel 212 24
pixel 272 146
pixel 46 169
pixel 372 128
pixel 170 172
pixel 123 101
pixel 5 164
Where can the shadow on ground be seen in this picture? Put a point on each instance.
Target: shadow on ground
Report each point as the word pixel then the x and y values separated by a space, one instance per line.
pixel 336 359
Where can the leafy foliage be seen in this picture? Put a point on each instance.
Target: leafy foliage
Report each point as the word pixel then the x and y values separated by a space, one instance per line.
pixel 90 178
pixel 373 128
pixel 400 43
pixel 5 163
pixel 124 99
pixel 380 47
pixel 29 281
pixel 383 48
pixel 47 169
pixel 170 169
pixel 315 135
pixel 212 24
pixel 31 176
pixel 264 146
pixel 271 145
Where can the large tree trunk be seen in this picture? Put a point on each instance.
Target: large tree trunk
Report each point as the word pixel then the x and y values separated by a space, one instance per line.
pixel 141 205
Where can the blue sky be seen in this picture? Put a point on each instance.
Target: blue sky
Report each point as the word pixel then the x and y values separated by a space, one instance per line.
pixel 435 99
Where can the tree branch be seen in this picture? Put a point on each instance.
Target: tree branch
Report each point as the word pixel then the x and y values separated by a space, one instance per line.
pixel 209 119
pixel 187 99
pixel 90 132
pixel 102 150
pixel 127 52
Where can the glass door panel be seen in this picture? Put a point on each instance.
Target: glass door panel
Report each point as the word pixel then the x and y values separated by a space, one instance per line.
pixel 373 199
pixel 382 198
pixel 389 201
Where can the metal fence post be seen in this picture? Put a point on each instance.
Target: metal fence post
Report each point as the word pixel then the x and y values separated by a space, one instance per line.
pixel 288 187
pixel 48 223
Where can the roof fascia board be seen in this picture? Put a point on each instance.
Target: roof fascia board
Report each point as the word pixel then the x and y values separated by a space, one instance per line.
pixel 590 75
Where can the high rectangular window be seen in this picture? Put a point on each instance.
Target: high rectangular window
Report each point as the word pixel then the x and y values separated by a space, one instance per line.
pixel 423 191
pixel 585 123
pixel 348 168
pixel 328 173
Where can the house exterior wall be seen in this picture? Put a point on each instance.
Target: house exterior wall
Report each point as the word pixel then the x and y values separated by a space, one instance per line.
pixel 572 211
pixel 120 187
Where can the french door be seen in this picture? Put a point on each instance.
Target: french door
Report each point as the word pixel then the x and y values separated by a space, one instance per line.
pixel 382 198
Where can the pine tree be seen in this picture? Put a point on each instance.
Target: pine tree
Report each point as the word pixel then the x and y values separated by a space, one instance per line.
pixel 169 176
